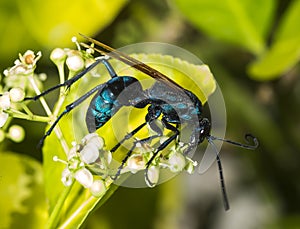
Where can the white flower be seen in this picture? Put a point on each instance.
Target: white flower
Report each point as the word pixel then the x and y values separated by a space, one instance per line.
pixel 81 158
pixel 29 59
pixel 135 163
pixel 25 65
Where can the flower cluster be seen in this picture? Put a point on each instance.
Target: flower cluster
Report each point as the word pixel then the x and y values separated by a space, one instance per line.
pixel 88 160
pixel 75 60
pixel 20 81
pixel 80 158
pixel 17 76
pixel 174 160
pixel 16 84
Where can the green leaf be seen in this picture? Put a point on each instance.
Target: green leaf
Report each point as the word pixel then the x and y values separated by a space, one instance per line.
pixel 22 192
pixel 53 22
pixel 241 22
pixel 69 206
pixel 284 52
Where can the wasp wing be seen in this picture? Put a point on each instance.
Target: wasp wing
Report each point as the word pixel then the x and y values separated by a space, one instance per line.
pixel 113 53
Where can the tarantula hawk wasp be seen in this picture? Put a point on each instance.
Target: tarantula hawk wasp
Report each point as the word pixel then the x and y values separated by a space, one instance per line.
pixel 166 100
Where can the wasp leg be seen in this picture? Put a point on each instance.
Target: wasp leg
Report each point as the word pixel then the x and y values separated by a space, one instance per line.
pixel 129 153
pixel 128 136
pixel 161 147
pixel 68 108
pixel 67 83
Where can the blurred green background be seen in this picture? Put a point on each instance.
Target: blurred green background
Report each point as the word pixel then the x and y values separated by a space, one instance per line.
pixel 253 50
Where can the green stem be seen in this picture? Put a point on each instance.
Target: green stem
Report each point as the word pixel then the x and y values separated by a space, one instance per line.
pixel 61 73
pixel 57 130
pixel 26 109
pixel 37 91
pixel 30 117
pixel 54 216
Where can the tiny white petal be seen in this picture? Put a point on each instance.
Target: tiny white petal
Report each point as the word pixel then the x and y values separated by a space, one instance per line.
pixel 66 177
pixel 153 176
pixel 3 118
pixel 87 137
pixel 84 177
pixel 72 152
pixel 94 139
pixel 190 167
pixel 74 163
pixel 89 154
pixel 20 69
pixel 5 101
pixel 6 72
pixel 17 62
pixel 98 188
pixel 177 162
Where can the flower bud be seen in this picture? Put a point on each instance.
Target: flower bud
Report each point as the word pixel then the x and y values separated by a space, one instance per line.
pixel 16 133
pixel 75 63
pixel 98 188
pixel 16 94
pixel 58 55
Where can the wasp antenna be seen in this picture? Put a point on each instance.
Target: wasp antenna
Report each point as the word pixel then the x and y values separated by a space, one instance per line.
pixel 222 180
pixel 249 138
